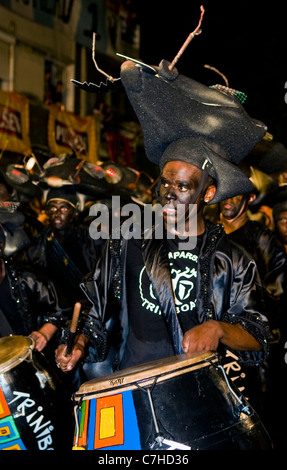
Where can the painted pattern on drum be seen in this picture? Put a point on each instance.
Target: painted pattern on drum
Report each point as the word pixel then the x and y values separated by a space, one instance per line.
pixel 109 423
pixel 36 413
pixel 9 434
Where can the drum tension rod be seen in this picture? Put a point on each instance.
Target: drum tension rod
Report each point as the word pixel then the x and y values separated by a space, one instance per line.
pixel 159 437
pixel 76 409
pixel 242 406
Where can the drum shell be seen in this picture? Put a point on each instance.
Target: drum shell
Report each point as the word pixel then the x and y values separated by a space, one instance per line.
pixel 196 409
pixel 36 409
pixel 213 421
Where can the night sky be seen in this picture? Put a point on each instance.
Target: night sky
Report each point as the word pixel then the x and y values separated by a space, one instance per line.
pixel 247 43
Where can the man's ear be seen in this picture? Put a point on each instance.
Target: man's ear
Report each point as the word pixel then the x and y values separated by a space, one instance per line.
pixel 76 213
pixel 252 198
pixel 209 193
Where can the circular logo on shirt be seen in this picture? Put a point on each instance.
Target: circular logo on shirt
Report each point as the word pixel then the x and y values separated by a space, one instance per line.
pixel 183 269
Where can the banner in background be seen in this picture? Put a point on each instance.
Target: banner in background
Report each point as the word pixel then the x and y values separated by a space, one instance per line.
pixel 69 133
pixel 119 148
pixel 14 123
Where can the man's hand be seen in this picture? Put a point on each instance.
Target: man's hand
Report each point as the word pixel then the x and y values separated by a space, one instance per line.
pixel 206 337
pixel 43 335
pixel 68 362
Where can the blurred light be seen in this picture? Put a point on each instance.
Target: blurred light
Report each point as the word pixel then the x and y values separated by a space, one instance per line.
pixel 110 172
pixel 30 163
pixel 15 175
pixel 114 174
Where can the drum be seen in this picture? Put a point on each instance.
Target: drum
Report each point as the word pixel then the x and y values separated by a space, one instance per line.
pixel 35 412
pixel 174 403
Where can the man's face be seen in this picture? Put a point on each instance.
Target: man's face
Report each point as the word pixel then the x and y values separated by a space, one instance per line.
pixel 232 207
pixel 60 214
pixel 282 227
pixel 178 184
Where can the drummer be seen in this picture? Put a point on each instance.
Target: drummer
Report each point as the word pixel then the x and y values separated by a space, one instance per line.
pixel 182 292
pixel 28 301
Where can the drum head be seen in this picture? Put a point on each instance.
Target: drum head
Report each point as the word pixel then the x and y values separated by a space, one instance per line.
pixel 145 374
pixel 14 350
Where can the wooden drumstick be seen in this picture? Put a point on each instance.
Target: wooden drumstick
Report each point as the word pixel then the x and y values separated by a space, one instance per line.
pixel 73 328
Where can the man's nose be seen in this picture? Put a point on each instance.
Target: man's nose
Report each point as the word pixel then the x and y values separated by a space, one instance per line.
pixel 170 194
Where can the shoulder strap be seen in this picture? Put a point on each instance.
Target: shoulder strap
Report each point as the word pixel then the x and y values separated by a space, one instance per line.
pixel 63 260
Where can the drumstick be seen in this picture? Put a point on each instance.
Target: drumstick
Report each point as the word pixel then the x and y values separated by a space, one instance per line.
pixel 73 328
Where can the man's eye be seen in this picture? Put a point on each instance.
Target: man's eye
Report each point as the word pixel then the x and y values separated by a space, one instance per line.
pixel 164 184
pixel 182 188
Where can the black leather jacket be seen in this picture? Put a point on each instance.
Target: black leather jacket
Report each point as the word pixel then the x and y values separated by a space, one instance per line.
pixel 34 297
pixel 271 261
pixel 228 288
pixel 66 270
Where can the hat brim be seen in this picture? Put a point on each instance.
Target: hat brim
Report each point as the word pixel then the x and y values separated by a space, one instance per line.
pixel 229 179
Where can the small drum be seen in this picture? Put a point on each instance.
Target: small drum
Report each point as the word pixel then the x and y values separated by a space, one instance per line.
pixel 35 413
pixel 174 403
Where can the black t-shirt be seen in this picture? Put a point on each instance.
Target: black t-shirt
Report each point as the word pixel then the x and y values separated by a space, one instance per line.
pixel 148 337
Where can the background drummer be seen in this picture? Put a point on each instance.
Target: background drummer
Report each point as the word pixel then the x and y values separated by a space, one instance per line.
pixel 28 300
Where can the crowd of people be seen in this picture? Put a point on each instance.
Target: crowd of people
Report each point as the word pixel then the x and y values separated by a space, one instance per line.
pixel 237 296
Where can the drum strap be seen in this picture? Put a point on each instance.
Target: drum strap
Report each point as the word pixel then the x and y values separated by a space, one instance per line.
pixel 63 261
pixel 5 328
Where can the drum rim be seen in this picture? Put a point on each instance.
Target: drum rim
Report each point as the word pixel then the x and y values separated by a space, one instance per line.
pixel 28 346
pixel 181 363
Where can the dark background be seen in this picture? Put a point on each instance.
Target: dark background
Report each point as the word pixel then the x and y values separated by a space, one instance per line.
pixel 246 42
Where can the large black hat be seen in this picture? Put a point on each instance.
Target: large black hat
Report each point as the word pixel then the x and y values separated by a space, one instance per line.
pixel 182 119
pixel 81 176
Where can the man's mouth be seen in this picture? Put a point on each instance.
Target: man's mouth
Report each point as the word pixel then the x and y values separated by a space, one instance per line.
pixel 168 210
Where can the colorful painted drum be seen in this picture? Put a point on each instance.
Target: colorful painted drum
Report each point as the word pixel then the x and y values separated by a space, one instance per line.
pixel 174 403
pixel 35 413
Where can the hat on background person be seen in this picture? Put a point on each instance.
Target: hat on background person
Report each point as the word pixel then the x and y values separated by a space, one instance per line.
pixel 65 194
pixel 11 221
pixel 184 120
pixel 268 156
pixel 264 185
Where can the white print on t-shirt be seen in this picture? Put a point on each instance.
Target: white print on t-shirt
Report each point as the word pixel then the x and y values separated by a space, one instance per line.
pixel 182 286
pixel 181 281
pixel 183 254
pixel 147 297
